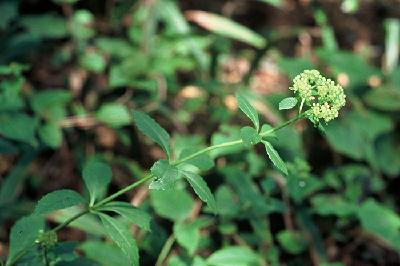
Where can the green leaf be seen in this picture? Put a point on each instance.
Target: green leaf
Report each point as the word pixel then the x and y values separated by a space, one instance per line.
pixel 59 199
pixel 97 177
pixel 153 130
pixel 8 10
pixel 381 221
pixel 226 27
pixel 202 190
pixel 114 114
pixel 175 205
pixel 110 254
pixel 23 235
pixel 248 110
pixel 166 175
pixel 202 161
pixel 274 157
pixel 383 99
pixel 249 136
pixel 18 126
pixel 233 256
pixel 293 66
pixel 121 235
pixel 355 133
pixel 287 103
pixel 331 204
pixel 45 25
pixel 266 128
pixel 188 234
pixel 51 135
pixel 93 61
pixel 87 223
pixel 293 242
pixel 276 3
pixel 50 104
pixel 131 213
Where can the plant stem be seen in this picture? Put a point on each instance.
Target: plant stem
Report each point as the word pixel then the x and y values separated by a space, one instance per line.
pixel 171 239
pixel 235 142
pixel 122 191
pixel 150 176
pixel 44 254
pixel 165 250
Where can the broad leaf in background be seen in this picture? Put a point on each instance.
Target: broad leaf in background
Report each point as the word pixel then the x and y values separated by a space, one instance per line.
pixel 23 235
pixel 292 241
pixel 343 62
pixel 249 136
pixel 202 190
pixel 225 27
pixel 202 161
pixel 18 126
pixel 332 204
pixel 131 213
pixel 354 133
pixel 166 175
pixel 45 25
pixel 274 157
pixel 51 104
pixel 153 130
pixel 9 10
pixel 248 110
pixel 381 221
pixel 93 61
pixel 228 133
pixel 59 199
pixel 384 99
pixel 97 177
pixel 110 254
pixel 293 66
pixel 175 205
pixel 121 235
pixel 51 135
pixel 234 256
pixel 114 115
pixel 287 103
pixel 188 234
pixel 87 223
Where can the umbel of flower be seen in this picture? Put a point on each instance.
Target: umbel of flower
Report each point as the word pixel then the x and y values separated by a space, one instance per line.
pixel 323 97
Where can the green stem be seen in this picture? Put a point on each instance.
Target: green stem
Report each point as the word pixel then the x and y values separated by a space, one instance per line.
pixel 171 239
pixel 44 254
pixel 165 250
pixel 236 142
pixel 70 220
pixel 122 191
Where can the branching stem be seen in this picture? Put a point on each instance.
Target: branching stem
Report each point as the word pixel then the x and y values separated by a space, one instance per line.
pixel 150 176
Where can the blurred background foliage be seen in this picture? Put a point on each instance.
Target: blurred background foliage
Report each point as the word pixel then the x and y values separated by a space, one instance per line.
pixel 71 72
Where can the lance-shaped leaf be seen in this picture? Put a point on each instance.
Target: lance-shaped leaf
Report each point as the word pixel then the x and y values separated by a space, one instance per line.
pixel 131 213
pixel 225 27
pixel 248 110
pixel 202 190
pixel 274 157
pixel 121 235
pixel 57 200
pixel 153 130
pixel 97 177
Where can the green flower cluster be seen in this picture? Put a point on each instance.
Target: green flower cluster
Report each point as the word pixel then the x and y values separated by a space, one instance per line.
pixel 323 97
